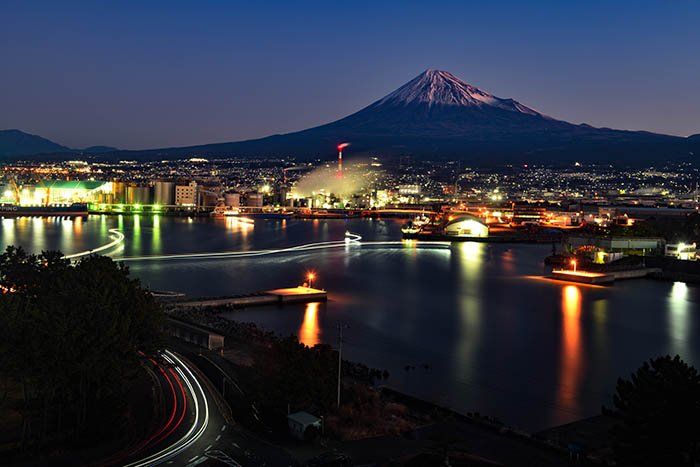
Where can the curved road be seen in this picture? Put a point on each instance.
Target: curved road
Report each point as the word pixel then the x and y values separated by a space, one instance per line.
pixel 192 431
pixel 190 418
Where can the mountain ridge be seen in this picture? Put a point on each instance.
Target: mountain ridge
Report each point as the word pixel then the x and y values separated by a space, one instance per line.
pixel 16 143
pixel 437 115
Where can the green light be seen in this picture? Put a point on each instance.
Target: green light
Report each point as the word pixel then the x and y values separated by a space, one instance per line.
pixel 156 207
pixel 137 207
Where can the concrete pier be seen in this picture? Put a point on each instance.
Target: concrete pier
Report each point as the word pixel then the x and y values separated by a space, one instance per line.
pixel 582 277
pixel 271 297
pixel 299 295
pixel 600 278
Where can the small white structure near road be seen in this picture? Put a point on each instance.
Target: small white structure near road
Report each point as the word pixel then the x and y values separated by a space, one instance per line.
pixel 299 422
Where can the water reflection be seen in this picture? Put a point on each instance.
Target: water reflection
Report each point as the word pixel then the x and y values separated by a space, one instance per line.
pixel 571 357
pixel 310 332
pixel 136 238
pixel 600 320
pixel 155 239
pixel 471 259
pixel 78 226
pixel 508 261
pixel 679 317
pixel 241 226
pixel 8 232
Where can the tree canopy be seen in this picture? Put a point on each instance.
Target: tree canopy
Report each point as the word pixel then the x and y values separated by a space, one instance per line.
pixel 658 410
pixel 70 336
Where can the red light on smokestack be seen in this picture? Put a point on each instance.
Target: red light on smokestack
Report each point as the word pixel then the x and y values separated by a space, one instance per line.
pixel 341 146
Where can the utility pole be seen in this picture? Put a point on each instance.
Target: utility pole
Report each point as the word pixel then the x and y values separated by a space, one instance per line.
pixel 340 355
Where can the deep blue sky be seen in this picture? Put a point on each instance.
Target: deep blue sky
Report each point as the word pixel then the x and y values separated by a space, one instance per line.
pixel 137 74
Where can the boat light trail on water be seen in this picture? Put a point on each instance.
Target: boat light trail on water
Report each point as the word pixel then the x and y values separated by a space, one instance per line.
pixel 119 239
pixel 351 239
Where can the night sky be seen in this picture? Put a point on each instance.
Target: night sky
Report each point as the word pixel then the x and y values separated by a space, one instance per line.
pixel 136 74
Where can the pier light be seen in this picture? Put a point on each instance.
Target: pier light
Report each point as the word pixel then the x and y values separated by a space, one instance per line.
pixel 573 264
pixel 310 277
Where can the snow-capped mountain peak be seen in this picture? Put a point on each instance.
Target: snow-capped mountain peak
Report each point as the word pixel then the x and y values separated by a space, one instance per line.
pixel 442 88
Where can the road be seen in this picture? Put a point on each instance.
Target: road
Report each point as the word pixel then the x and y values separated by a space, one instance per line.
pixel 192 430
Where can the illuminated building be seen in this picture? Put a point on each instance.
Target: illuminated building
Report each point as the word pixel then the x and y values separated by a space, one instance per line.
pixel 254 200
pixel 625 245
pixel 164 193
pixel 138 194
pixel 684 251
pixel 232 200
pixel 64 192
pixel 466 226
pixel 186 195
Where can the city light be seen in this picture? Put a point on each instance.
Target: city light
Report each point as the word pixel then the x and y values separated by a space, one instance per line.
pixel 573 264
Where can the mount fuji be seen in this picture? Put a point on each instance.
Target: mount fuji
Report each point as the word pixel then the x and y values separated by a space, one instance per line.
pixel 437 115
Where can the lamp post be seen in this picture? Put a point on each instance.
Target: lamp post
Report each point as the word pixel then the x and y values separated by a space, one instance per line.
pixel 310 277
pixel 573 264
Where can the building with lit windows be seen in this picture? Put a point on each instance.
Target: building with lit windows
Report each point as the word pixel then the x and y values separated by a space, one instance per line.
pixel 186 195
pixel 685 251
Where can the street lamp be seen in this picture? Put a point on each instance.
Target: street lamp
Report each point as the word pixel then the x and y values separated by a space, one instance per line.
pixel 310 277
pixel 573 264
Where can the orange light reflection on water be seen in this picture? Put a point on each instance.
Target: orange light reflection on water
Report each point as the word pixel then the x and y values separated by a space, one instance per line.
pixel 309 331
pixel 571 352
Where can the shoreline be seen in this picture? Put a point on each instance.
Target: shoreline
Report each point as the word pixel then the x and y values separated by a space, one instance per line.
pixel 427 416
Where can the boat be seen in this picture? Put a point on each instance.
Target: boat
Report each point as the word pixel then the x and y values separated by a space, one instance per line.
pixel 72 210
pixel 409 228
pixel 415 225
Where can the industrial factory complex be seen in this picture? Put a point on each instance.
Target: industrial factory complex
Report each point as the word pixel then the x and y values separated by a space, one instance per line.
pixel 586 209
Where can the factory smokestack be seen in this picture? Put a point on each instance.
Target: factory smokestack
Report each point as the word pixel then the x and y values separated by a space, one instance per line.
pixel 341 146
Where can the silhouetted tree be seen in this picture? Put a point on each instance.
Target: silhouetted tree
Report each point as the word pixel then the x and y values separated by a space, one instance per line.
pixel 658 411
pixel 70 336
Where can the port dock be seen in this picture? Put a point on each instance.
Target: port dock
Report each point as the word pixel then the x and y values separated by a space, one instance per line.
pixel 595 278
pixel 270 297
pixel 603 278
